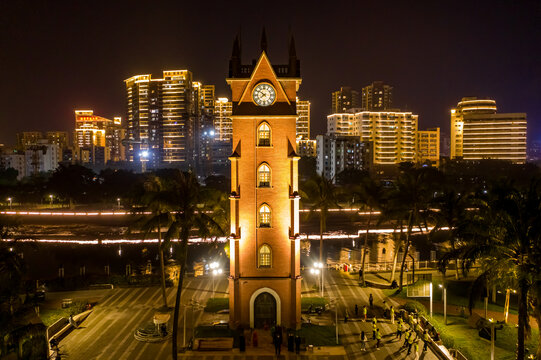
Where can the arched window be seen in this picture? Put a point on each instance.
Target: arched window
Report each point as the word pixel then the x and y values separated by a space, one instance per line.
pixel 263 135
pixel 265 256
pixel 263 175
pixel 264 216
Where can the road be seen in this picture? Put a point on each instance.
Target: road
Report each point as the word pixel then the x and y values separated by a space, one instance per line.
pixel 108 332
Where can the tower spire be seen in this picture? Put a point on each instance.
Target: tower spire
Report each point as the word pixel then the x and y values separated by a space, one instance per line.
pixel 264 40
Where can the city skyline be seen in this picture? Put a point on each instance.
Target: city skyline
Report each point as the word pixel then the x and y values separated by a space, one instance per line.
pixel 40 39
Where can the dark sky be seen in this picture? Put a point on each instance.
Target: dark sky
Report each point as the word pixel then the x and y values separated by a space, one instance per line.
pixel 56 56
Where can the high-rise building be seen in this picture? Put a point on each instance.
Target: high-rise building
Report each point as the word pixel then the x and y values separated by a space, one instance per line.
pixel 377 97
pixel 204 133
pixel 60 138
pixel 223 125
pixel 393 133
pixel 160 118
pixel 428 146
pixel 265 278
pixel 336 154
pixel 344 99
pixel 97 139
pixel 13 159
pixel 27 138
pixel 306 148
pixel 479 132
pixel 303 120
pixel 534 151
pixel 41 156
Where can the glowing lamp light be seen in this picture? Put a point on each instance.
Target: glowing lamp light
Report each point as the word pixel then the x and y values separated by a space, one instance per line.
pixel 144 154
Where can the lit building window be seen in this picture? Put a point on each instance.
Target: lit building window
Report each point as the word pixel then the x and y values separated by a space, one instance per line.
pixel 263 175
pixel 263 135
pixel 265 256
pixel 264 216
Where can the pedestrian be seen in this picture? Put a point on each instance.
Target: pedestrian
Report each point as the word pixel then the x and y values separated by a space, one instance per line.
pixel 72 322
pixel 255 339
pixel 356 310
pixel 365 312
pixel 277 342
pixel 371 301
pixel 399 330
pixel 375 320
pixel 378 339
pixel 392 314
pixel 418 328
pixel 410 343
pixel 374 329
pixel 425 339
pixel 363 341
pixel 346 316
pixel 416 349
pixel 407 335
pixel 297 344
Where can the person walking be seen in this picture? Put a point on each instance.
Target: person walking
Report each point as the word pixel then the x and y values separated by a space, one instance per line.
pixel 297 344
pixel 392 314
pixel 407 335
pixel 371 301
pixel 410 343
pixel 356 310
pixel 374 329
pixel 277 342
pixel 416 349
pixel 375 320
pixel 363 341
pixel 399 330
pixel 378 339
pixel 346 316
pixel 365 312
pixel 425 339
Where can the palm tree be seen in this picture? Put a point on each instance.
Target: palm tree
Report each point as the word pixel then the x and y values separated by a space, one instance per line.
pixel 508 242
pixel 413 190
pixel 157 201
pixel 369 194
pixel 190 214
pixel 320 195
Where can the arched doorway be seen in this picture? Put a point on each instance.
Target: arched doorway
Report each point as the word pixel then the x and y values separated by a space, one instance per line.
pixel 264 310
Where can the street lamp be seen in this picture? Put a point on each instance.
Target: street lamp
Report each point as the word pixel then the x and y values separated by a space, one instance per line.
pixel 444 303
pixel 215 271
pixel 144 158
pixel 319 266
pixel 430 299
pixel 9 200
pixel 334 303
pixel 51 199
pixel 118 202
pixel 491 338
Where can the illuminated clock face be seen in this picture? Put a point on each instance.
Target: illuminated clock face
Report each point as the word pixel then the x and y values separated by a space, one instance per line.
pixel 264 95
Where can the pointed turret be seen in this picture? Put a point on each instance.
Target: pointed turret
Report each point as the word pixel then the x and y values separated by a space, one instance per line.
pixel 294 63
pixel 264 40
pixel 235 62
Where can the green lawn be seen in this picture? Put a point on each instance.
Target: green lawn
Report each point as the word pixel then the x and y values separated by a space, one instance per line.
pixel 217 304
pixel 457 334
pixel 50 316
pixel 314 301
pixel 318 335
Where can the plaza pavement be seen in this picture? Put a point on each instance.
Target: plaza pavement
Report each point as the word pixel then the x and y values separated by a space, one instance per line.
pixel 108 332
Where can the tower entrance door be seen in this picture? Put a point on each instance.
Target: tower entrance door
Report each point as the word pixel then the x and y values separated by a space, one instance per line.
pixel 264 310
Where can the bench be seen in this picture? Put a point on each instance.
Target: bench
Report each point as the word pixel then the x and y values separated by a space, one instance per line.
pixel 203 344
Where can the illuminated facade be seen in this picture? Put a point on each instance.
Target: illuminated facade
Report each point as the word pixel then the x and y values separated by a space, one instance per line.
pixel 98 139
pixel 306 147
pixel 377 97
pixel 223 125
pixel 27 138
pixel 338 153
pixel 479 132
pixel 160 118
pixel 393 134
pixel 303 120
pixel 265 280
pixel 428 146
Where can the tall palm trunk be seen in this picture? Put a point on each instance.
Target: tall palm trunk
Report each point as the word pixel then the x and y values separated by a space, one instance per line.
pixel 397 244
pixel 162 265
pixel 536 313
pixel 406 248
pixel 363 261
pixel 182 257
pixel 522 316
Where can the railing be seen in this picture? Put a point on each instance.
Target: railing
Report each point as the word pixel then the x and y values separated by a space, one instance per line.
pixel 457 354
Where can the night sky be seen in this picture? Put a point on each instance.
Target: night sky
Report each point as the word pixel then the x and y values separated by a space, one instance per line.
pixel 56 56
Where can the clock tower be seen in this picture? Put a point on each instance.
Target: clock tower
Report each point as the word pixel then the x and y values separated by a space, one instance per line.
pixel 265 280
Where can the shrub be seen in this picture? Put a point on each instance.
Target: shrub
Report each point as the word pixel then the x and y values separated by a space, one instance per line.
pixel 414 306
pixel 217 304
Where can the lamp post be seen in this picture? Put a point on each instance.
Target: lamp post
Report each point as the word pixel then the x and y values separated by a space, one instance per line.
pixel 144 158
pixel 444 304
pixel 215 271
pixel 491 338
pixel 192 304
pixel 118 202
pixel 9 200
pixel 319 266
pixel 51 200
pixel 316 272
pixel 334 303
pixel 431 299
